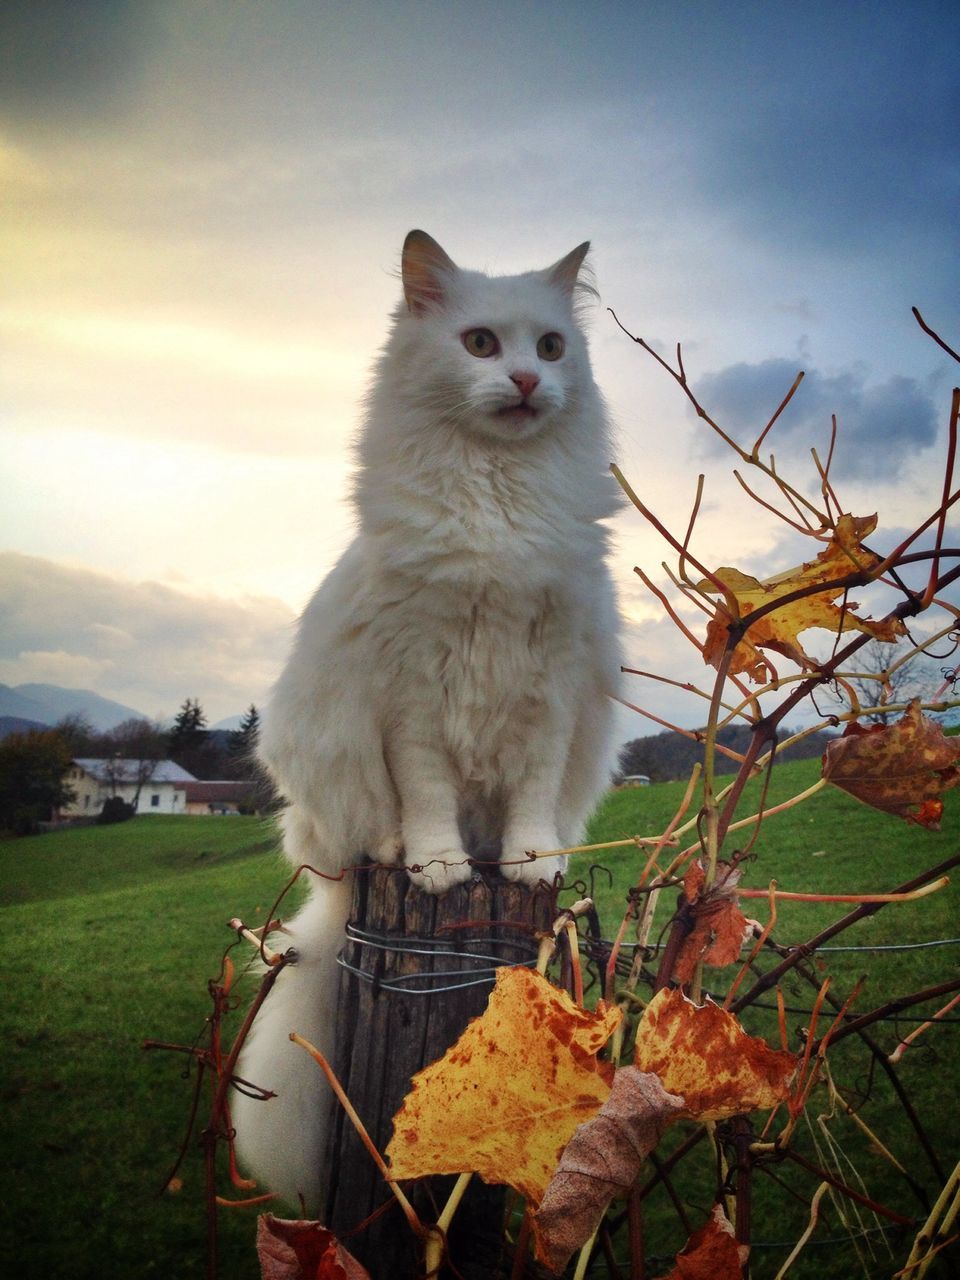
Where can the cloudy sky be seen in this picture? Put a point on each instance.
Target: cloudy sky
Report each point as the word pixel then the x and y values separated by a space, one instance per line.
pixel 203 205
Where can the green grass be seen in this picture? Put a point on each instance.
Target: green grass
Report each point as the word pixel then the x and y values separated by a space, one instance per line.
pixel 109 940
pixel 110 935
pixel 828 844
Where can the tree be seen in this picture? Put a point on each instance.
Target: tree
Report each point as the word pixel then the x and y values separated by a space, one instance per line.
pixel 134 749
pixel 188 737
pixel 245 767
pixel 78 733
pixel 883 683
pixel 243 742
pixel 189 726
pixel 33 768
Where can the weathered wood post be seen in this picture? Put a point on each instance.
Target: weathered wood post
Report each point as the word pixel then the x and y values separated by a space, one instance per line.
pixel 416 969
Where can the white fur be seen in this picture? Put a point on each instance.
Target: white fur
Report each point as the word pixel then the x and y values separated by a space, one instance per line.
pixel 447 691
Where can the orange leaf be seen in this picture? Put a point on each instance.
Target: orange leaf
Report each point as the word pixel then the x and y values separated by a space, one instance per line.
pixel 901 768
pixel 602 1158
pixel 506 1098
pixel 703 1054
pixel 289 1249
pixel 719 926
pixel 712 1253
pixel 780 629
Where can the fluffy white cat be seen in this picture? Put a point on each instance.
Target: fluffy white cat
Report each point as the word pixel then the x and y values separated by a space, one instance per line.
pixel 447 692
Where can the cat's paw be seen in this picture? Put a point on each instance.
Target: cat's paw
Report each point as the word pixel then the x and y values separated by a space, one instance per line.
pixel 389 851
pixel 533 870
pixel 522 869
pixel 440 871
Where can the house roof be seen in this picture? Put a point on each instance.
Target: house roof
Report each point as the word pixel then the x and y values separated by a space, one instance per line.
pixel 207 792
pixel 122 770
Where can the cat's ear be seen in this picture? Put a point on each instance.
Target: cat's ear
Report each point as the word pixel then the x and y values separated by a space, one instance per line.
pixel 425 270
pixel 565 272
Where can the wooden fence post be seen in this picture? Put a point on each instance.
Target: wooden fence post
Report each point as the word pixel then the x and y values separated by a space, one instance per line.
pixel 413 978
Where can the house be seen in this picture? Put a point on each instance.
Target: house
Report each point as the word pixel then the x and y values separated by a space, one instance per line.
pixel 215 797
pixel 153 786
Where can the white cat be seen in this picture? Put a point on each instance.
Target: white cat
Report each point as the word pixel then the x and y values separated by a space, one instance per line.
pixel 447 693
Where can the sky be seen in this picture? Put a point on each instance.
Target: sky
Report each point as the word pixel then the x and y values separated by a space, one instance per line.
pixel 202 210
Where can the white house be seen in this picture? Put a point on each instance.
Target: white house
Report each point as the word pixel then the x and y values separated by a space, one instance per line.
pixel 162 786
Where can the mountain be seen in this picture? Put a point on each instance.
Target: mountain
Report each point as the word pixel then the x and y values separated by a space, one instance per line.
pixel 48 703
pixel 231 723
pixel 17 724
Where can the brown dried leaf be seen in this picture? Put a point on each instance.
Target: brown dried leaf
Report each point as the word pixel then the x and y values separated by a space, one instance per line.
pixel 602 1158
pixel 719 926
pixel 712 1253
pixel 901 767
pixel 780 629
pixel 291 1249
pixel 702 1053
pixel 506 1098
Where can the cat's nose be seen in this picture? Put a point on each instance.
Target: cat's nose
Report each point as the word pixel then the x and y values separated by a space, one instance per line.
pixel 526 383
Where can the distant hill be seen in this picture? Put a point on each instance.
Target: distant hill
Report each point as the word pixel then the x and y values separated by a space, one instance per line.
pixel 18 724
pixel 669 756
pixel 230 724
pixel 45 704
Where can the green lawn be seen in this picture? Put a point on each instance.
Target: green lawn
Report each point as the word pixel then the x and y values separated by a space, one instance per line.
pixel 829 844
pixel 110 935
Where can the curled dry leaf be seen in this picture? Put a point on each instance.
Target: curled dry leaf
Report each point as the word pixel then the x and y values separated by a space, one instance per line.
pixel 780 629
pixel 702 1053
pixel 601 1159
pixel 505 1099
pixel 902 768
pixel 290 1249
pixel 712 1253
pixel 719 926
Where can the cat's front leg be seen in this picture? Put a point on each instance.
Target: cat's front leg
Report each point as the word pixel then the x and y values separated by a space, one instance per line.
pixel 426 784
pixel 531 817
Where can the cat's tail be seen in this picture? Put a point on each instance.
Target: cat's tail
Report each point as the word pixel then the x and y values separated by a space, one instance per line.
pixel 281 1141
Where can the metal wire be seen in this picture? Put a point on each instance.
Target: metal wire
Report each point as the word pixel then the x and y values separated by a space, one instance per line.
pixel 483 974
pixel 880 946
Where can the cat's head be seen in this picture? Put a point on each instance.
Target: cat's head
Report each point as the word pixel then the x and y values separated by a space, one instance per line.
pixel 498 356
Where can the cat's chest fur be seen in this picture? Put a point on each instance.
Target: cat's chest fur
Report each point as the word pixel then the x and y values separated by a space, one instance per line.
pixel 476 518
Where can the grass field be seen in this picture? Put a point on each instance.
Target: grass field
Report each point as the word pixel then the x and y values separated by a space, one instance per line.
pixel 110 935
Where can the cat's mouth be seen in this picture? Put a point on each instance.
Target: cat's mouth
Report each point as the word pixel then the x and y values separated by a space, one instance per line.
pixel 517 413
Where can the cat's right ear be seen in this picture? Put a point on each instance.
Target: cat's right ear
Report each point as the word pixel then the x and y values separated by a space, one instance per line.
pixel 425 270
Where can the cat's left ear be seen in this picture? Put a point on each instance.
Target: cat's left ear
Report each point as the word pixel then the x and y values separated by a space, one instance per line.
pixel 564 273
pixel 425 270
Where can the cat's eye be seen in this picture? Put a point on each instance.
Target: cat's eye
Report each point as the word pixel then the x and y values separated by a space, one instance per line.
pixel 550 347
pixel 481 343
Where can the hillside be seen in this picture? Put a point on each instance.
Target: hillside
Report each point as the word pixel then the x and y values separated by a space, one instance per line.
pixel 18 724
pixel 669 756
pixel 47 703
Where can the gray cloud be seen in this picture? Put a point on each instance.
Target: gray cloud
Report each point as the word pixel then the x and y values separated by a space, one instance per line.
pixel 879 424
pixel 63 58
pixel 139 642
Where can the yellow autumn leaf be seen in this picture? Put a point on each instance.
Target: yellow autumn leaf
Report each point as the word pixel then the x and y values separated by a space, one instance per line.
pixel 702 1053
pixel 505 1100
pixel 780 629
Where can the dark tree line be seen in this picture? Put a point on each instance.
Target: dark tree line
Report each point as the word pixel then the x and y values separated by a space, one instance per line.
pixel 669 756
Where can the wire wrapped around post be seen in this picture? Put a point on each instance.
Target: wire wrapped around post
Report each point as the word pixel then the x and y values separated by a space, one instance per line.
pixel 414 970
